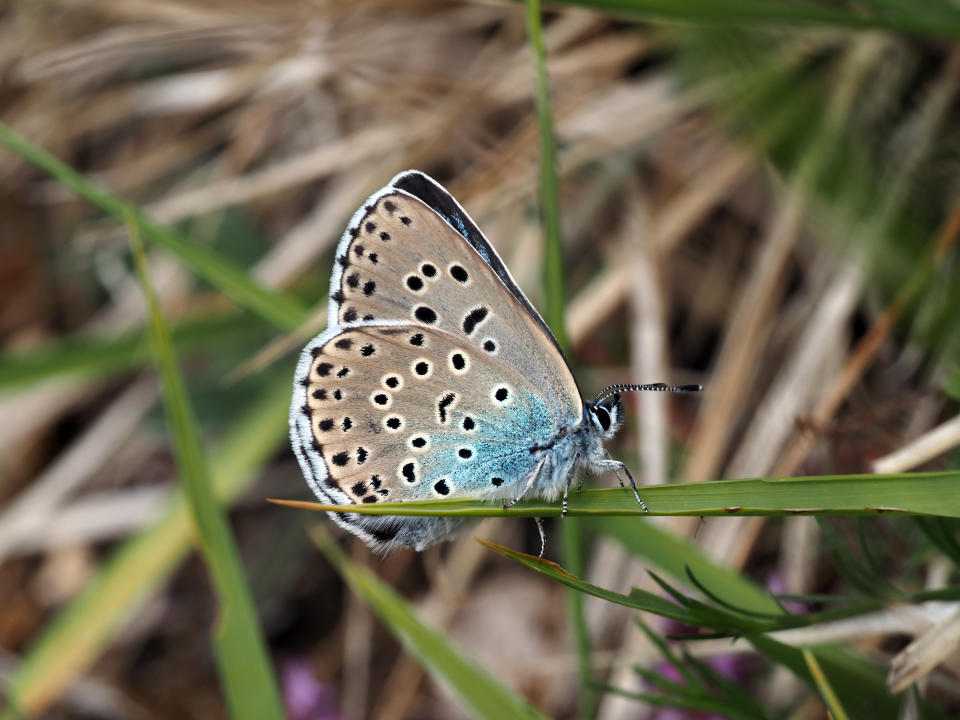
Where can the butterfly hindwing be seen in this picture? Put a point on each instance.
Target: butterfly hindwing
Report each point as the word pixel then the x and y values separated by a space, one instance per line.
pixel 406 412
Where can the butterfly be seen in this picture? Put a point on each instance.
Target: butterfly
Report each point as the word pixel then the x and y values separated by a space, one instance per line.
pixel 437 378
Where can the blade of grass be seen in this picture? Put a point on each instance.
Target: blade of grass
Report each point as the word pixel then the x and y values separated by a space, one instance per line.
pixel 933 20
pixel 135 571
pixel 858 684
pixel 276 307
pixel 245 670
pixel 637 599
pixel 571 535
pixel 712 706
pixel 933 493
pixel 676 556
pixel 91 356
pixel 481 692
pixel 823 685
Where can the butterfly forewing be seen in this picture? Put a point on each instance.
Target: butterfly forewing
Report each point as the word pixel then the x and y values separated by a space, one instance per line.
pixel 407 412
pixel 400 261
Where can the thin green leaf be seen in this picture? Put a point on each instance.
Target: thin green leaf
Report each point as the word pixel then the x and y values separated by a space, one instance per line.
pixel 823 685
pixel 93 356
pixel 859 685
pixel 481 692
pixel 249 684
pixel 637 600
pixel 137 569
pixel 716 617
pixel 665 651
pixel 687 702
pixel 933 493
pixel 571 535
pixel 943 533
pixel 677 556
pixel 553 274
pixel 952 385
pixel 732 691
pixel 276 307
pixel 936 20
pixel 859 574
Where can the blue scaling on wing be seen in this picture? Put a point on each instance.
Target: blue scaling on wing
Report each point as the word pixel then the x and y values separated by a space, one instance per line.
pixel 496 459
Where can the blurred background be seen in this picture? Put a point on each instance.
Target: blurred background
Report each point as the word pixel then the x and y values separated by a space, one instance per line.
pixel 759 198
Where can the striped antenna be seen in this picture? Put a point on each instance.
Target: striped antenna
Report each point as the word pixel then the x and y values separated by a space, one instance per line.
pixel 659 387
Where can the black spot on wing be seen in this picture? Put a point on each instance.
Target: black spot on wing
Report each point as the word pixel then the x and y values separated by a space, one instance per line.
pixel 474 318
pixel 443 404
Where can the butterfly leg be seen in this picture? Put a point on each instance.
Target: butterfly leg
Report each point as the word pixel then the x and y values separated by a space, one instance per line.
pixel 617 466
pixel 531 481
pixel 576 461
pixel 543 536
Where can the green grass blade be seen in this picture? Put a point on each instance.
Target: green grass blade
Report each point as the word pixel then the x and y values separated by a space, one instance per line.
pixel 933 19
pixel 676 556
pixel 247 676
pixel 712 706
pixel 478 690
pixel 933 493
pixel 571 535
pixel 858 684
pixel 830 698
pixel 142 563
pixel 943 533
pixel 93 356
pixel 637 599
pixel 553 275
pixel 276 307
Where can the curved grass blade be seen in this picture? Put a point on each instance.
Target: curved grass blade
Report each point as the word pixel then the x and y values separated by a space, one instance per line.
pixel 935 19
pixel 709 705
pixel 823 685
pixel 276 307
pixel 933 493
pixel 91 356
pixel 677 556
pixel 571 534
pixel 135 571
pixel 858 684
pixel 249 684
pixel 481 692
pixel 637 599
pixel 943 533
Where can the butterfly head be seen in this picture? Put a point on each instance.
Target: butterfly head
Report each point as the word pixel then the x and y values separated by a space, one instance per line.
pixel 606 416
pixel 606 412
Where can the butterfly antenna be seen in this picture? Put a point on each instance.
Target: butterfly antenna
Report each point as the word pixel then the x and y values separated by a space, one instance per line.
pixel 658 387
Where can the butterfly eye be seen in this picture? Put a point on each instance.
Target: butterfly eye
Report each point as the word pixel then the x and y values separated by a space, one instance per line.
pixel 603 417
